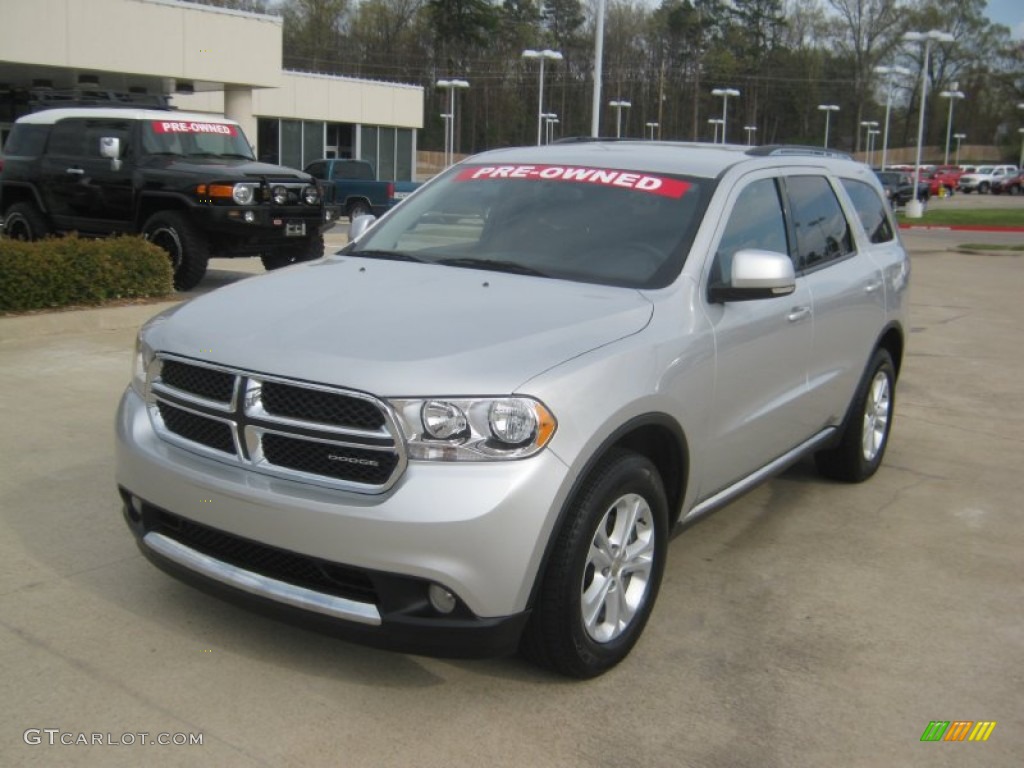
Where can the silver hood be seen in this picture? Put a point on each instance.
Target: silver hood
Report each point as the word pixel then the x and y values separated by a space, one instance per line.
pixel 398 328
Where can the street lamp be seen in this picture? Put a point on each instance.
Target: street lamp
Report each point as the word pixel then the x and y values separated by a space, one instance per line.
pixel 449 145
pixel 447 127
pixel 867 125
pixel 890 74
pixel 1021 132
pixel 715 121
pixel 914 208
pixel 653 127
pixel 619 105
pixel 542 56
pixel 871 145
pixel 952 96
pixel 549 118
pixel 725 93
pixel 750 129
pixel 828 109
pixel 959 137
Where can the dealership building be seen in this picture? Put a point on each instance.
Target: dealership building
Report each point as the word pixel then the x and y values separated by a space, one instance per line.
pixel 206 59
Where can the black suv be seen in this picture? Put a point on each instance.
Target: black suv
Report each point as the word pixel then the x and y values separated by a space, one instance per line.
pixel 187 182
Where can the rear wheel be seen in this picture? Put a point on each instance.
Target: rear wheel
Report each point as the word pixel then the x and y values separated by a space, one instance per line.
pixel 865 436
pixel 186 247
pixel 603 576
pixel 24 221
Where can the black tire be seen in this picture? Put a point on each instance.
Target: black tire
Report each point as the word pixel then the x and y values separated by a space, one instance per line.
pixel 623 485
pixel 865 435
pixel 357 208
pixel 24 221
pixel 186 246
pixel 984 187
pixel 312 248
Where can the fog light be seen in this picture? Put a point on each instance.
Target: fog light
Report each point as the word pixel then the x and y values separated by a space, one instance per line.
pixel 441 599
pixel 135 510
pixel 249 217
pixel 280 195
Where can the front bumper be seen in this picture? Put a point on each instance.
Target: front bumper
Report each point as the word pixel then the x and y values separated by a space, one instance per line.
pixel 359 565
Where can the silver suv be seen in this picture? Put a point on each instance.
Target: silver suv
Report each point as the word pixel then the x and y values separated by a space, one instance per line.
pixel 474 428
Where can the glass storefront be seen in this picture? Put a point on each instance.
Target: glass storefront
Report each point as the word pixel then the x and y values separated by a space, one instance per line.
pixel 297 143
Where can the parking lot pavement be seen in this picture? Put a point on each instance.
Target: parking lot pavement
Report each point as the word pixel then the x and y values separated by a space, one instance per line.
pixel 808 624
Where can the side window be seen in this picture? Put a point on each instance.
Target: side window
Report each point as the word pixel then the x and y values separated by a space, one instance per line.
pixel 68 138
pixel 316 170
pixel 756 221
pixel 871 210
pixel 822 232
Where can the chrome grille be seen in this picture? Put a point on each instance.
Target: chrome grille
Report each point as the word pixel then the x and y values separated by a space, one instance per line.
pixel 308 432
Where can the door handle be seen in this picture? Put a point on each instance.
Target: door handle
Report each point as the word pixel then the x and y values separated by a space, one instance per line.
pixel 76 171
pixel 873 286
pixel 798 313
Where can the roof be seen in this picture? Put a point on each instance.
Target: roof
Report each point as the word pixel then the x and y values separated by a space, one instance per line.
pixel 684 158
pixel 50 116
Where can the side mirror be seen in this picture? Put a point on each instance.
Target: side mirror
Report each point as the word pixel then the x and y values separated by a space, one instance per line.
pixel 756 274
pixel 359 225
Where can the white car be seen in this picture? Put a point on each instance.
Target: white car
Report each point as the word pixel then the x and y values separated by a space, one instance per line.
pixel 982 179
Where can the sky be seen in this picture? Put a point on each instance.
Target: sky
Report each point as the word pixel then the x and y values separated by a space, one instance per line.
pixel 1009 13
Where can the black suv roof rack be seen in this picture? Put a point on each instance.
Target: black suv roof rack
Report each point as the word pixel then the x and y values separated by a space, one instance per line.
pixel 55 98
pixel 780 150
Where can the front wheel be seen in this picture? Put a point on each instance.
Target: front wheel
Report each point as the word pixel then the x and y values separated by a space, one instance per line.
pixel 186 247
pixel 602 579
pixel 865 435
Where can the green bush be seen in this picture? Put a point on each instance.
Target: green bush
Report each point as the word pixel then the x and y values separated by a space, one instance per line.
pixel 69 271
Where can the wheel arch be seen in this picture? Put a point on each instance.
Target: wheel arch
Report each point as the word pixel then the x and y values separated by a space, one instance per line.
pixel 153 204
pixel 656 436
pixel 892 341
pixel 19 192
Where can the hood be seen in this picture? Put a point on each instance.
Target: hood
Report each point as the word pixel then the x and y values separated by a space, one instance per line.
pixel 398 328
pixel 234 168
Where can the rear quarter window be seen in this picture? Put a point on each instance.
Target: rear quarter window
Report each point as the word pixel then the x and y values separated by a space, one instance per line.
pixel 27 140
pixel 871 210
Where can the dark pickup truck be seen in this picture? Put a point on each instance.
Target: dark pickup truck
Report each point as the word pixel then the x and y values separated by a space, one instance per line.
pixel 356 189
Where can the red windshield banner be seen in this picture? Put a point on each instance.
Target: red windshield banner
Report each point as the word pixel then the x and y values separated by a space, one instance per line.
pixel 172 126
pixel 641 182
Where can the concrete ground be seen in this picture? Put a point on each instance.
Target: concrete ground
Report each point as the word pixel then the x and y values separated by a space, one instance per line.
pixel 808 624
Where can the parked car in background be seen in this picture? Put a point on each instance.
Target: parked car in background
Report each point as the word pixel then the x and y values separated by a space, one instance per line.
pixel 984 177
pixel 899 187
pixel 947 176
pixel 476 427
pixel 1011 185
pixel 356 189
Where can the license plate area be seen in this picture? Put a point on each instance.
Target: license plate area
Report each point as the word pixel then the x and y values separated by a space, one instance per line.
pixel 295 229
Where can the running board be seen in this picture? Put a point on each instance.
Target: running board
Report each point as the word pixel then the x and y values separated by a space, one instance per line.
pixel 749 482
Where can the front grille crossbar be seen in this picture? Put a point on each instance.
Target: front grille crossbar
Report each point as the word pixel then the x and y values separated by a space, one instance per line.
pixel 308 432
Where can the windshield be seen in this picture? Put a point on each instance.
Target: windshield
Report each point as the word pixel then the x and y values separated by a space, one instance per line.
pixel 197 139
pixel 593 225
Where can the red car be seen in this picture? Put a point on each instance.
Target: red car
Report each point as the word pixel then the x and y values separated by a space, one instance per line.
pixel 944 176
pixel 1011 185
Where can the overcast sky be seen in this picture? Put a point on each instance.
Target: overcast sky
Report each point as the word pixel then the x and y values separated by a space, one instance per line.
pixel 1009 13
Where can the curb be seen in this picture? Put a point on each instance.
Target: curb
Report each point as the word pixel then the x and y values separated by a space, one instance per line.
pixel 961 227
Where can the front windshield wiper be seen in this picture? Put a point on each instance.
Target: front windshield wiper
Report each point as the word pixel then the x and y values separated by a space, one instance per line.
pixel 390 255
pixel 219 154
pixel 495 265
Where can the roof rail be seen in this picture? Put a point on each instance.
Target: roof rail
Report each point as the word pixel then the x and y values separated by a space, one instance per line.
pixel 54 98
pixel 780 150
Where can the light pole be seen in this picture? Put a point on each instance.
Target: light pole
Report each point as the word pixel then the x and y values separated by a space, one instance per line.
pixel 715 121
pixel 447 127
pixel 619 105
pixel 828 109
pixel 653 127
pixel 542 56
pixel 750 129
pixel 871 145
pixel 890 74
pixel 595 104
pixel 959 137
pixel 451 86
pixel 867 125
pixel 725 93
pixel 549 118
pixel 1021 132
pixel 952 95
pixel 914 208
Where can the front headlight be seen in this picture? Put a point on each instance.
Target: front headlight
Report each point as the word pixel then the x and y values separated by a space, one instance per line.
pixel 311 195
pixel 243 194
pixel 474 429
pixel 143 359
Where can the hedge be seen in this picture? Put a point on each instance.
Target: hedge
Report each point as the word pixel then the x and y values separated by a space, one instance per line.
pixel 69 271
